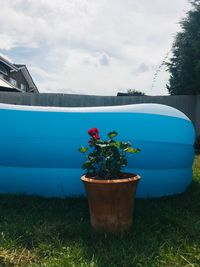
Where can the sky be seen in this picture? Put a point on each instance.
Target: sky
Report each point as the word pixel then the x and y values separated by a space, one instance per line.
pixel 97 47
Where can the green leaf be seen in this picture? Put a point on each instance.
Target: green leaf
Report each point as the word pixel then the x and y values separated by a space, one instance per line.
pixel 114 143
pixel 102 145
pixel 117 144
pixel 132 150
pixel 87 165
pixel 125 145
pixel 108 158
pixel 112 134
pixel 83 149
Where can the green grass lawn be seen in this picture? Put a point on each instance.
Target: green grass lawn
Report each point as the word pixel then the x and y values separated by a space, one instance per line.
pixel 53 232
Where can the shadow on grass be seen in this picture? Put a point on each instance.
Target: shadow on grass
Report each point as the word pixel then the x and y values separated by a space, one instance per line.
pixel 165 232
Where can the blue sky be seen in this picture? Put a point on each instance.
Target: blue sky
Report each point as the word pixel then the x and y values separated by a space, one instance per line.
pixel 95 47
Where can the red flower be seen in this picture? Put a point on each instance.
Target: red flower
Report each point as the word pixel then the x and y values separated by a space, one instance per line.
pixel 90 142
pixel 94 132
pixel 96 136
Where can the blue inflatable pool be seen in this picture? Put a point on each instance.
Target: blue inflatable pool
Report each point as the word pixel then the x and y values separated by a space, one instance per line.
pixel 39 147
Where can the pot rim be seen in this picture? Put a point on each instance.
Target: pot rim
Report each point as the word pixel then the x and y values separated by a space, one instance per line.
pixel 133 178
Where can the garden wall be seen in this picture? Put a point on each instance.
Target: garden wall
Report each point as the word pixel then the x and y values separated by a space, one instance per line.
pixel 190 105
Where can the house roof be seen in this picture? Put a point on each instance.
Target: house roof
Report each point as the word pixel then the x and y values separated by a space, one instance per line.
pixel 23 69
pixel 7 63
pixel 27 75
pixel 5 84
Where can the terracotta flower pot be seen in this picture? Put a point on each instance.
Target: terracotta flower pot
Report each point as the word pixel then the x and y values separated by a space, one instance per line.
pixel 111 202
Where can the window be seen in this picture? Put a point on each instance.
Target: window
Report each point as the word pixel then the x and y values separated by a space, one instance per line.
pixel 13 82
pixel 23 87
pixel 3 70
pixel 1 75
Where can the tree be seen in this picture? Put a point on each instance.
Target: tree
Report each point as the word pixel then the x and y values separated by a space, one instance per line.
pixel 134 92
pixel 184 65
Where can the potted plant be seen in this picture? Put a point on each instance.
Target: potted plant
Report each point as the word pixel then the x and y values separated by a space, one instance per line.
pixel 110 192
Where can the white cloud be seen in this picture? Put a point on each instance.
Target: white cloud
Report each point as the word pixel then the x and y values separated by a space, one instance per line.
pixel 91 46
pixel 141 69
pixel 104 59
